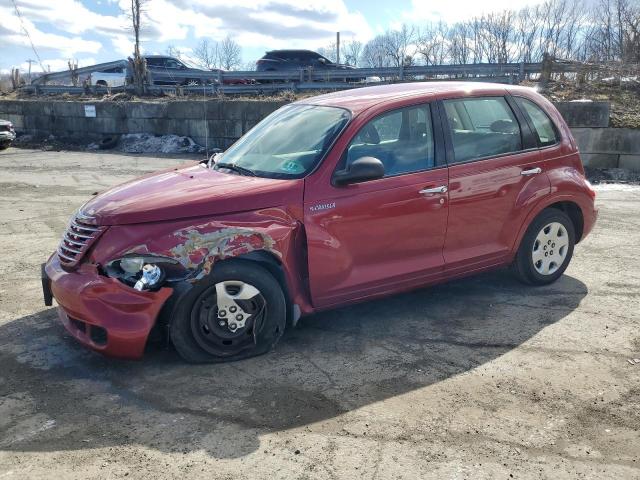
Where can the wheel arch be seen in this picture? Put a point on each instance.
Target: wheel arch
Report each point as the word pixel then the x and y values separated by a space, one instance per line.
pixel 272 264
pixel 566 204
pixel 574 212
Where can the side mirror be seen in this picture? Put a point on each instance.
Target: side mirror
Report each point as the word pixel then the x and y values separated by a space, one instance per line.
pixel 361 170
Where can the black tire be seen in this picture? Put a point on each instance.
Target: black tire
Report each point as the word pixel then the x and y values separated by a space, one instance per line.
pixel 523 265
pixel 108 143
pixel 194 328
pixel 4 146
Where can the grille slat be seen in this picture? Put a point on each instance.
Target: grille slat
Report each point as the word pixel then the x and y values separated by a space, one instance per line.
pixel 78 238
pixel 73 242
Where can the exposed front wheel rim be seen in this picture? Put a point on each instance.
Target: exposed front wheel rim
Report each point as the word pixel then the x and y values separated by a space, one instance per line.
pixel 550 248
pixel 226 317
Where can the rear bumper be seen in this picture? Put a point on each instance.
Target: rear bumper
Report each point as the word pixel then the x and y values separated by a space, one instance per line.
pixel 589 220
pixel 102 313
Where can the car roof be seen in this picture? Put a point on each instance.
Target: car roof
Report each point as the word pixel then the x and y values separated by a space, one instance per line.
pixel 359 99
pixel 293 51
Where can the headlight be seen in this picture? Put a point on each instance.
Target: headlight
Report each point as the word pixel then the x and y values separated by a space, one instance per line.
pixel 145 272
pixel 132 264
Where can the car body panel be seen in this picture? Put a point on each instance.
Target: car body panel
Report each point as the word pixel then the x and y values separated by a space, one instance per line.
pixel 115 77
pixel 190 191
pixel 377 234
pixel 489 197
pixel 335 245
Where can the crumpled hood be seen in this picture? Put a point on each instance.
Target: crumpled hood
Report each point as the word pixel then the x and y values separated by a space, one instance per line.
pixel 192 191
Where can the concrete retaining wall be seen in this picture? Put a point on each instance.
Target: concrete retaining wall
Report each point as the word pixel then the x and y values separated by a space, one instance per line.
pixel 609 147
pixel 221 122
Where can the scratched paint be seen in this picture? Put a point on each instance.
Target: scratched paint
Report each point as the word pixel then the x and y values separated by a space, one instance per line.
pixel 199 250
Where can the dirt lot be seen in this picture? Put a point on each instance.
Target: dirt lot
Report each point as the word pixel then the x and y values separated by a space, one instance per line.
pixel 480 378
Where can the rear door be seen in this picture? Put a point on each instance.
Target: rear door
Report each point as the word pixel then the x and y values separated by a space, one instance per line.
pixel 381 235
pixel 495 174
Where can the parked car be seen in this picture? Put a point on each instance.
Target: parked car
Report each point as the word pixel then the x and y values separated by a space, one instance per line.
pixel 113 77
pixel 7 134
pixel 172 71
pixel 328 201
pixel 286 60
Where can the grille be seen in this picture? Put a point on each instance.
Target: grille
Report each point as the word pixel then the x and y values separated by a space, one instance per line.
pixel 77 239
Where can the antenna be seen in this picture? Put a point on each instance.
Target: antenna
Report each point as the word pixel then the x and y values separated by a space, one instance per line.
pixel 26 32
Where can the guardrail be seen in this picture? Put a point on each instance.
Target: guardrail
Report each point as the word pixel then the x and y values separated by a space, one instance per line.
pixel 252 82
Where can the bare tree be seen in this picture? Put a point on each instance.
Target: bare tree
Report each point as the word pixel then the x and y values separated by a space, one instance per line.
pixel 399 45
pixel 139 65
pixel 374 54
pixel 73 71
pixel 329 51
pixel 352 51
pixel 431 43
pixel 174 51
pixel 207 54
pixel 230 54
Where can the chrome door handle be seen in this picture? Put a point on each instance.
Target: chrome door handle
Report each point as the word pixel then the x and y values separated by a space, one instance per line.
pixel 441 189
pixel 532 171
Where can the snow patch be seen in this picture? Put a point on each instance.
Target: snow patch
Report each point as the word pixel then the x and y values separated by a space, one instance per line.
pixel 147 143
pixel 616 187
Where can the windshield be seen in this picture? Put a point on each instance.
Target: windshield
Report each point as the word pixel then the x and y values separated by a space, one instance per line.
pixel 289 143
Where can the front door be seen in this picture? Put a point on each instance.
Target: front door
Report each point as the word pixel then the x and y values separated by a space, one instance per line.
pixel 386 234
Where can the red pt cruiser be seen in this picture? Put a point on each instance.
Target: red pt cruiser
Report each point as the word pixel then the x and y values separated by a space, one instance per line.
pixel 328 201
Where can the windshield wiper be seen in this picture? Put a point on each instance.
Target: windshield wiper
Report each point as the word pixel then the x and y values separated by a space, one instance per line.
pixel 236 168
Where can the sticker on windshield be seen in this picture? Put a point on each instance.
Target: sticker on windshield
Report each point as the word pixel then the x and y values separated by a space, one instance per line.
pixel 292 167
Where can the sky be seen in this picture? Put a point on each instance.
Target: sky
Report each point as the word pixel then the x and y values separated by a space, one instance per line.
pixel 94 31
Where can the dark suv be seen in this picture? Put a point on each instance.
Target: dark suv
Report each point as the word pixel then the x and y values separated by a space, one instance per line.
pixel 172 71
pixel 279 60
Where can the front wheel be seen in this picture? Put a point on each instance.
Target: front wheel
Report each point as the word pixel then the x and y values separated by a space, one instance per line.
pixel 546 249
pixel 239 312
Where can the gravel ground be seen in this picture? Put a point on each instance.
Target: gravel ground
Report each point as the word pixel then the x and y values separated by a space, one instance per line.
pixel 479 378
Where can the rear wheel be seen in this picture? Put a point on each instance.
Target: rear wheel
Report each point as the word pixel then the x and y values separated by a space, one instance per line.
pixel 546 249
pixel 238 313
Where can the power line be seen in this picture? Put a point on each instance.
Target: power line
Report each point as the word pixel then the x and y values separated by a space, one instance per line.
pixel 26 32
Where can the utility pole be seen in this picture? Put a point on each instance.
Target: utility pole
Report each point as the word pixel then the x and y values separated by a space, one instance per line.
pixel 30 62
pixel 337 47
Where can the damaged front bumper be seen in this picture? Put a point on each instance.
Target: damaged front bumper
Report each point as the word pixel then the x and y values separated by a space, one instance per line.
pixel 101 312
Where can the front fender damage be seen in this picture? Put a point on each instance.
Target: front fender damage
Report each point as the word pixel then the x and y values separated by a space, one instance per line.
pixel 200 249
pixel 197 246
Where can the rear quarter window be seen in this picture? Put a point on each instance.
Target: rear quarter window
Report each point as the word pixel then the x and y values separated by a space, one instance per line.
pixel 545 130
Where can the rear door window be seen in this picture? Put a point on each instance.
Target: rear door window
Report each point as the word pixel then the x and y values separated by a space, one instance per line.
pixel 482 127
pixel 402 140
pixel 542 124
